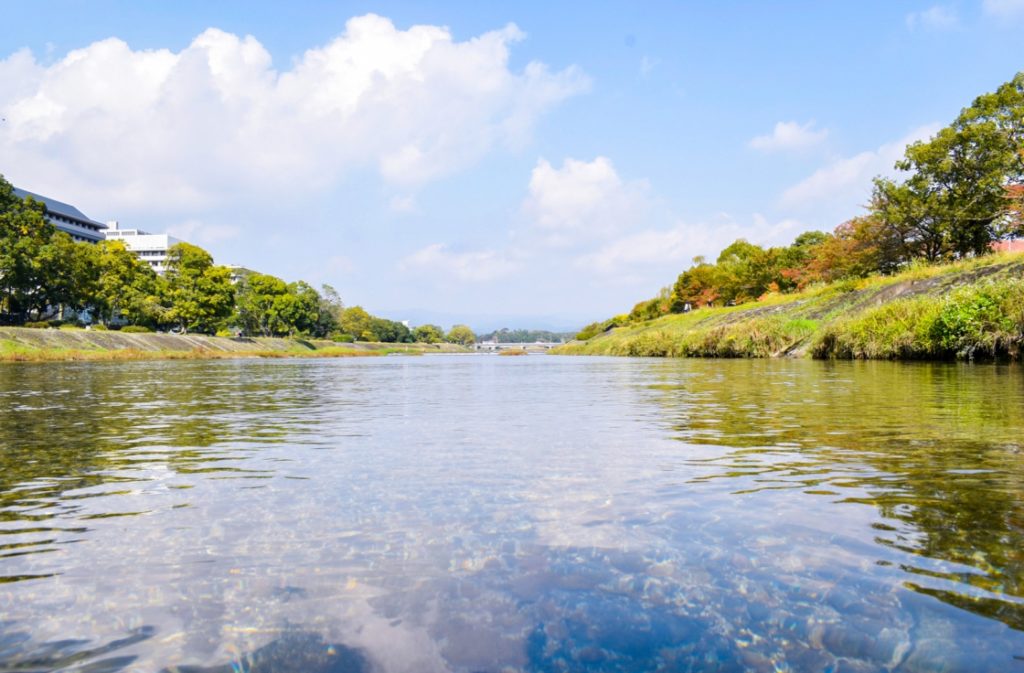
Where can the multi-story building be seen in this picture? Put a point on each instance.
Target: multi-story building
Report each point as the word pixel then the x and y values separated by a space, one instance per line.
pixel 150 248
pixel 68 219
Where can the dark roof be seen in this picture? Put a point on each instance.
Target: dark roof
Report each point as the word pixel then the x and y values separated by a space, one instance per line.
pixel 59 208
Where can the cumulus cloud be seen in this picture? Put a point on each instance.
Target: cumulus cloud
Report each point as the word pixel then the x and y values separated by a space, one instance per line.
pixel 849 178
pixel 476 265
pixel 582 200
pixel 790 136
pixel 203 233
pixel 657 251
pixel 933 18
pixel 1004 8
pixel 216 120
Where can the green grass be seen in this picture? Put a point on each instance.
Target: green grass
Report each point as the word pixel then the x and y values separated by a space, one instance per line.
pixel 972 309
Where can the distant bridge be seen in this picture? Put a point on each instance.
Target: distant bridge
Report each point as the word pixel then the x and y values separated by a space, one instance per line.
pixel 532 346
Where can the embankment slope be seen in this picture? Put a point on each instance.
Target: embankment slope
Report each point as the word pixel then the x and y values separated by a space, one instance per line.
pixel 972 309
pixel 22 344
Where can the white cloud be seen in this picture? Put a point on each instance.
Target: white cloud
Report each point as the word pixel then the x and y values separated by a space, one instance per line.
pixel 656 252
pixel 933 18
pixel 850 177
pixel 583 200
pixel 479 265
pixel 216 121
pixel 647 65
pixel 1004 8
pixel 199 232
pixel 790 136
pixel 402 203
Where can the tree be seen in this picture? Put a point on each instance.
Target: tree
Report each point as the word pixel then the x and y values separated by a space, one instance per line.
pixel 257 304
pixel 69 273
pixel 23 233
pixel 461 334
pixel 428 334
pixel 697 286
pixel 331 307
pixel 125 286
pixel 299 308
pixel 199 294
pixel 357 322
pixel 953 202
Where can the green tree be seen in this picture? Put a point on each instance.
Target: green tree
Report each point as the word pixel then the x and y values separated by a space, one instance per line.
pixel 357 322
pixel 428 334
pixel 69 273
pixel 299 309
pixel 331 307
pixel 125 286
pixel 461 334
pixel 953 202
pixel 23 233
pixel 199 294
pixel 257 305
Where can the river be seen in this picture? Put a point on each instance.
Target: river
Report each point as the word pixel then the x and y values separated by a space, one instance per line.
pixel 482 513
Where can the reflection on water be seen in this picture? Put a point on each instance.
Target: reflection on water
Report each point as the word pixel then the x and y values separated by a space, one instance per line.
pixel 537 514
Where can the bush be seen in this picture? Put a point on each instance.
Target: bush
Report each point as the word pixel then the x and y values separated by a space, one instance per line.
pixel 99 326
pixel 136 329
pixel 342 338
pixel 37 324
pixel 224 333
pixel 55 323
pixel 984 320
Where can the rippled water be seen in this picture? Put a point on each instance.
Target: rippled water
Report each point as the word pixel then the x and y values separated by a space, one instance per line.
pixel 480 513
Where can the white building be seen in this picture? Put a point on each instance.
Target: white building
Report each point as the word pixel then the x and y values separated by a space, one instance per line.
pixel 150 248
pixel 67 218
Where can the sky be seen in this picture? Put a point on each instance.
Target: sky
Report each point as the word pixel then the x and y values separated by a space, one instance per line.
pixel 528 164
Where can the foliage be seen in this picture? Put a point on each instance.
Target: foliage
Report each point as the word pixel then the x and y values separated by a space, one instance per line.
pixel 506 335
pixel 23 234
pixel 126 287
pixel 461 334
pixel 428 334
pixel 199 294
pixel 136 329
pixel 954 201
pixel 970 309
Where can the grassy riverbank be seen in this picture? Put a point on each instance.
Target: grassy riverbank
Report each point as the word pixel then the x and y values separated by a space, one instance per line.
pixel 972 309
pixel 19 344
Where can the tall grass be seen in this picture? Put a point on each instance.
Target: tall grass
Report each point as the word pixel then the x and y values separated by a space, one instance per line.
pixel 912 315
pixel 980 321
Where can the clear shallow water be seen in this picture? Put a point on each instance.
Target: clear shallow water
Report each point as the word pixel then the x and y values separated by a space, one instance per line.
pixel 484 514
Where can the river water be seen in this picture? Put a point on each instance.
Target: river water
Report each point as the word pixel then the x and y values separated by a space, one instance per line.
pixel 482 513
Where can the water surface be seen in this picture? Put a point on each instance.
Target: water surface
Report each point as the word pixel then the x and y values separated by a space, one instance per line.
pixel 480 513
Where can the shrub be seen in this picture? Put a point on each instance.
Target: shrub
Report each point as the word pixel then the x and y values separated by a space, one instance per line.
pixel 55 323
pixel 37 324
pixel 342 338
pixel 99 326
pixel 984 320
pixel 136 329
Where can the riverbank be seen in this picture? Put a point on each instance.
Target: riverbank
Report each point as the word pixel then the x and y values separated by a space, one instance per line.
pixel 19 344
pixel 969 310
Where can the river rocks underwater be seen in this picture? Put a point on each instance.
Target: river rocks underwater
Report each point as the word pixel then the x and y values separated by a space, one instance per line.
pixel 474 513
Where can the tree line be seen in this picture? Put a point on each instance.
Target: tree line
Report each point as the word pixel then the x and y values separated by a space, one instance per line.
pixel 958 193
pixel 45 275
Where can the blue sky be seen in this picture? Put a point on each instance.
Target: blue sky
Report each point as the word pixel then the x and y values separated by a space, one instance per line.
pixel 499 164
